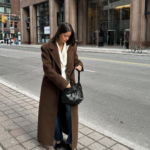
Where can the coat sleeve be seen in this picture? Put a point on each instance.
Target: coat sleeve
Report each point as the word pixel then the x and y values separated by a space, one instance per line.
pixel 77 62
pixel 56 78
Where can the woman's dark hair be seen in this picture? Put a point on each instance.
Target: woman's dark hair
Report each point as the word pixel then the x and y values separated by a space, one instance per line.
pixel 64 28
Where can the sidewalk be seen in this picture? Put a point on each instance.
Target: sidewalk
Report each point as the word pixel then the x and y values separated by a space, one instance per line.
pixel 18 126
pixel 94 48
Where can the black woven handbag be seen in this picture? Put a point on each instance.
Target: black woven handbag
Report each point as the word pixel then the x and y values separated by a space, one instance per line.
pixel 73 95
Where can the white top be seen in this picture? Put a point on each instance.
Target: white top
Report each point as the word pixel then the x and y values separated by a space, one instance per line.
pixel 63 60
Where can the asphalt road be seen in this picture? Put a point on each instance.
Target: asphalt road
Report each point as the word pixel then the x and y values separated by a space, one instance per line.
pixel 116 89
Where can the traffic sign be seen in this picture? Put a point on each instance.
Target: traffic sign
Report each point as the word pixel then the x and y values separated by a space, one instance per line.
pixel 11 28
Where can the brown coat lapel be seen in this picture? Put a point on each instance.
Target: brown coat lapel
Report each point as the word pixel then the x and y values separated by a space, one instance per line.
pixel 52 47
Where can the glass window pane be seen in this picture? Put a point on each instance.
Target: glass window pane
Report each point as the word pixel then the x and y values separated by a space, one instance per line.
pixel 2 9
pixel 8 9
pixel 16 24
pixel 1 1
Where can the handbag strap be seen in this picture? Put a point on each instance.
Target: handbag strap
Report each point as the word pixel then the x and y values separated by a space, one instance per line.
pixel 78 76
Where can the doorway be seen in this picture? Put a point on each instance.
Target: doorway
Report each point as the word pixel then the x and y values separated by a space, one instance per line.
pixel 110 37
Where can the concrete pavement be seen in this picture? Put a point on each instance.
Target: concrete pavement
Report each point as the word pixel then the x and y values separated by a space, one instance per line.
pixel 18 126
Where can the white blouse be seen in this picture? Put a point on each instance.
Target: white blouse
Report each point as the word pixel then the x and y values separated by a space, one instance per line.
pixel 63 60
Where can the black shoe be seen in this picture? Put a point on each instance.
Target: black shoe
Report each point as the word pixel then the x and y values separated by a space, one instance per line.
pixel 58 146
pixel 67 146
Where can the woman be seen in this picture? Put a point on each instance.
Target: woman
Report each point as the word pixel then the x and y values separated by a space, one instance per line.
pixel 59 62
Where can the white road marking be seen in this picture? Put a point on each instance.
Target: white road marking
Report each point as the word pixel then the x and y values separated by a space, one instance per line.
pixel 89 70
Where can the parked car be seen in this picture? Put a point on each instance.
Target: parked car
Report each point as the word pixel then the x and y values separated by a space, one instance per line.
pixel 1 41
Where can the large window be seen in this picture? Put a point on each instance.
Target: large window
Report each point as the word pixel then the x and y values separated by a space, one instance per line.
pixel 2 1
pixel 5 25
pixel 8 1
pixel 1 9
pixel 16 24
pixel 7 10
pixel 112 17
pixel 43 29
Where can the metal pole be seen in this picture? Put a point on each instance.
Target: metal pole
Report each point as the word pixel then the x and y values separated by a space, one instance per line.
pixel 9 27
pixel 3 30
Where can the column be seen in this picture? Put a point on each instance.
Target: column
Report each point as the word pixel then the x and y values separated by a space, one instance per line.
pixel 24 32
pixel 53 9
pixel 135 25
pixel 33 38
pixel 71 13
pixel 82 22
pixel 67 10
pixel 143 24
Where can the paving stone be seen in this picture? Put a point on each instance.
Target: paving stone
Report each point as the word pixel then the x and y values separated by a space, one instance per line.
pixel 3 105
pixel 97 146
pixel 36 105
pixel 85 141
pixel 5 108
pixel 28 100
pixel 80 146
pixel 5 135
pixel 6 123
pixel 36 114
pixel 20 109
pixel 26 112
pixel 2 130
pixel 34 110
pixel 16 147
pixel 19 119
pixel 15 106
pixel 33 134
pixel 31 118
pixel 40 148
pixel 14 115
pixel 33 102
pixel 23 104
pixel 80 135
pixel 28 107
pixel 10 103
pixel 96 136
pixel 1 114
pixel 9 142
pixel 119 147
pixel 85 149
pixel 17 132
pixel 30 128
pixel 107 142
pixel 30 144
pixel 12 127
pixel 81 126
pixel 86 130
pixel 24 123
pixel 9 112
pixel 3 118
pixel 24 137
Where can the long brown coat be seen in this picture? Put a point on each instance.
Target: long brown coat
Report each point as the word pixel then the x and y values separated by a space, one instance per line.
pixel 52 83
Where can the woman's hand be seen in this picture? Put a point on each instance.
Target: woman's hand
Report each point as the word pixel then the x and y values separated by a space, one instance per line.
pixel 68 86
pixel 79 68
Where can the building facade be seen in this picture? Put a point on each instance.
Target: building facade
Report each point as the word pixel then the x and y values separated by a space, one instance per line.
pixel 12 7
pixel 120 20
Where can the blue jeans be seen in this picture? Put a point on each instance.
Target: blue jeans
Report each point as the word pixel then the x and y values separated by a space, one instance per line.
pixel 58 132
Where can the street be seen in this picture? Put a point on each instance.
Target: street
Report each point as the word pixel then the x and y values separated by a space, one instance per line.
pixel 116 89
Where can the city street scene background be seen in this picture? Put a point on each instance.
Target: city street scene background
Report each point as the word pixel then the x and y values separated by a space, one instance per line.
pixel 113 40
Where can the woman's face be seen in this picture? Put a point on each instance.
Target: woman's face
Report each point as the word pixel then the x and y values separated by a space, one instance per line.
pixel 64 37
